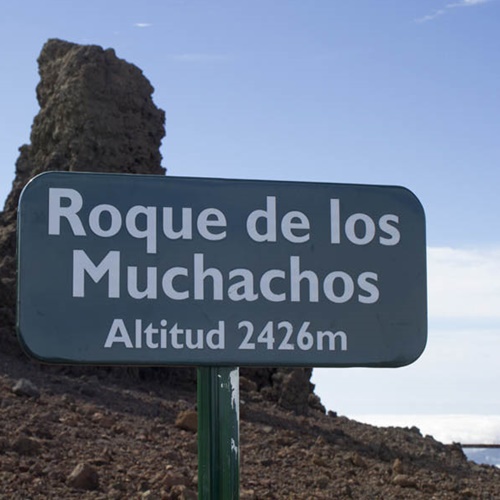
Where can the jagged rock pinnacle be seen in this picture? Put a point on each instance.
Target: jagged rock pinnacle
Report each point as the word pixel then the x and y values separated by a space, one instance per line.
pixel 96 114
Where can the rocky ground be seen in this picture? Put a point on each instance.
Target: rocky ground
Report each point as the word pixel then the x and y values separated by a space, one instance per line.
pixel 80 435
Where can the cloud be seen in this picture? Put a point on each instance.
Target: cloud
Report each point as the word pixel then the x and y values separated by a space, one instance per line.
pixel 430 17
pixel 447 7
pixel 143 25
pixel 465 429
pixel 464 283
pixel 467 3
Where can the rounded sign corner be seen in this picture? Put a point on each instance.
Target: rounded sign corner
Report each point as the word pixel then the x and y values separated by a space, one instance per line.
pixel 414 357
pixel 416 200
pixel 27 349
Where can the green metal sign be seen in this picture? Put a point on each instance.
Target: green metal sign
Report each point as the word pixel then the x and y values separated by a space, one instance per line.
pixel 128 269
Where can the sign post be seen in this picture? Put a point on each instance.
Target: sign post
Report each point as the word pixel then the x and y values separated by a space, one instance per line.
pixel 148 270
pixel 218 433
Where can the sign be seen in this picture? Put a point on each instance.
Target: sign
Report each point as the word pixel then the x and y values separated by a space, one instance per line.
pixel 129 269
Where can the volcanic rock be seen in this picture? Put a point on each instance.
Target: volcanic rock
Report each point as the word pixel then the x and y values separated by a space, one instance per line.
pixel 84 477
pixel 24 387
pixel 96 114
pixel 187 420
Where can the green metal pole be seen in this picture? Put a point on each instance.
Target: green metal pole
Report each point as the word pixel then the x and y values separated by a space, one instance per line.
pixel 218 433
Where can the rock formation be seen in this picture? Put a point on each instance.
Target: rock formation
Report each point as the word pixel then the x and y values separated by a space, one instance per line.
pixel 97 114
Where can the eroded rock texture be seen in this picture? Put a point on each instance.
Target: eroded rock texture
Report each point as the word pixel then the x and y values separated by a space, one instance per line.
pixel 96 114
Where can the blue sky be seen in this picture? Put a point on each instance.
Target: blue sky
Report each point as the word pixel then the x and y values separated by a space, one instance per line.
pixel 397 93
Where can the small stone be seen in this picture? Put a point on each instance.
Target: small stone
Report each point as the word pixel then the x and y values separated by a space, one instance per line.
pixel 83 477
pixel 247 385
pixel 105 421
pixel 248 494
pixel 25 445
pixel 187 420
pixel 322 482
pixel 172 479
pixel 358 460
pixel 467 493
pixel 404 481
pixel 181 492
pixel 320 461
pixel 144 487
pixel 25 387
pixel 398 466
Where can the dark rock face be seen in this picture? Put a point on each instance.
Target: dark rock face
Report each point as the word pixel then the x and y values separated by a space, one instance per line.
pixel 97 114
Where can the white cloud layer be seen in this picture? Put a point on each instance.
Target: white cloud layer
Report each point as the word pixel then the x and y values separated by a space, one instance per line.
pixel 464 429
pixel 464 283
